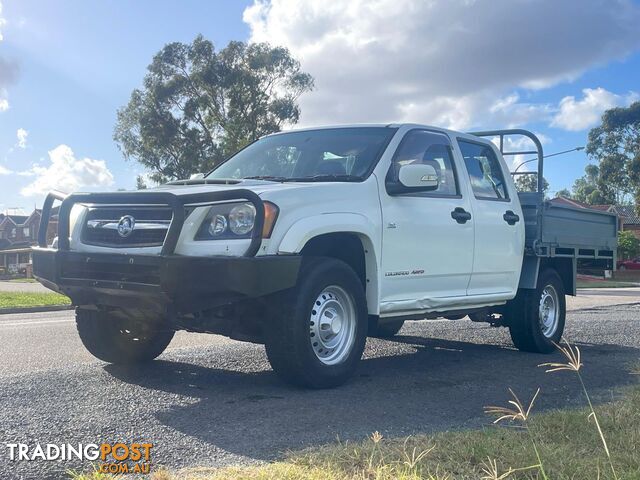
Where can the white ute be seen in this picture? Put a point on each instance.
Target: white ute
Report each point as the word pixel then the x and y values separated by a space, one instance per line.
pixel 310 240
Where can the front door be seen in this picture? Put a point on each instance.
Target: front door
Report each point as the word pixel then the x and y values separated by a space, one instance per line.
pixel 427 248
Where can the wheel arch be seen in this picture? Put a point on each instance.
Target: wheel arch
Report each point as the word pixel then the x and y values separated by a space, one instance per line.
pixel 346 237
pixel 565 267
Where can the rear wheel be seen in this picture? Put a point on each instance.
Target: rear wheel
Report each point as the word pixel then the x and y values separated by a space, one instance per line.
pixel 387 329
pixel 318 330
pixel 536 318
pixel 115 339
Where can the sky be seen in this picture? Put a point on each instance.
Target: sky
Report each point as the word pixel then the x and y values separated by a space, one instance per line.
pixel 549 66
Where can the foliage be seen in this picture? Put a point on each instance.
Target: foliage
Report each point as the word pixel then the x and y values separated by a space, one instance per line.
pixel 628 245
pixel 565 192
pixel 529 183
pixel 615 145
pixel 199 105
pixel 586 189
pixel 140 184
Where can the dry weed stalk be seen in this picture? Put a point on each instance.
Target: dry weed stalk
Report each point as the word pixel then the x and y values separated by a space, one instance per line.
pixel 574 364
pixel 519 414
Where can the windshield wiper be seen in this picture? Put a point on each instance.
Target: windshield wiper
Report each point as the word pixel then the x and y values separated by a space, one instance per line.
pixel 205 181
pixel 331 177
pixel 272 178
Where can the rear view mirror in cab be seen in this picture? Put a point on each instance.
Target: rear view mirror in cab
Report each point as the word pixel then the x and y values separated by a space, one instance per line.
pixel 417 175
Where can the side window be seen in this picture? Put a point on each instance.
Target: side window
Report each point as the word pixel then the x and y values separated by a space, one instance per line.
pixel 429 148
pixel 485 172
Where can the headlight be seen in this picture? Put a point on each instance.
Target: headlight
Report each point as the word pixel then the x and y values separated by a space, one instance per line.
pixel 241 218
pixel 217 225
pixel 227 221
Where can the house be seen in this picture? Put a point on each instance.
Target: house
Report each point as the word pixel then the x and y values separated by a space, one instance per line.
pixel 628 218
pixel 18 233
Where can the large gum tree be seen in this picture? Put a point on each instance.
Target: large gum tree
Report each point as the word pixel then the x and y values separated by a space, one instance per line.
pixel 615 145
pixel 197 105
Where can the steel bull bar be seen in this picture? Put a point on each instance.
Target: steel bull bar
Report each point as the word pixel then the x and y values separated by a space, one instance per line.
pixel 166 282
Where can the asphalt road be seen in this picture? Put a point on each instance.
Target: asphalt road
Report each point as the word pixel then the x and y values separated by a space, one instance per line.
pixel 209 401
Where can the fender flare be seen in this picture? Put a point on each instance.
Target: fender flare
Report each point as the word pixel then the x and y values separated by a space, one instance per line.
pixel 305 229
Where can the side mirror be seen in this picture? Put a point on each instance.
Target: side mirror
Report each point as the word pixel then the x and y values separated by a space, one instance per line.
pixel 418 176
pixel 196 176
pixel 415 176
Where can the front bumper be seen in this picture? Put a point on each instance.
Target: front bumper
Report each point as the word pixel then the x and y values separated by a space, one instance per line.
pixel 164 283
pixel 167 283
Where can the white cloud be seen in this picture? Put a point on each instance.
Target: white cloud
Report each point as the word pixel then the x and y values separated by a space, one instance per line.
pixel 443 61
pixel 521 144
pixel 68 173
pixel 22 135
pixel 8 70
pixel 585 113
pixel 5 171
pixel 3 22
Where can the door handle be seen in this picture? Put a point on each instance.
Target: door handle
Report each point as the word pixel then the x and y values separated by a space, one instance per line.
pixel 510 217
pixel 460 215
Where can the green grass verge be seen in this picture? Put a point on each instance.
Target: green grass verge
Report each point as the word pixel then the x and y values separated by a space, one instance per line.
pixel 567 440
pixel 31 299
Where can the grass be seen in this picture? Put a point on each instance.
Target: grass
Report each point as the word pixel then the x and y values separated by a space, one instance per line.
pixel 568 443
pixel 31 299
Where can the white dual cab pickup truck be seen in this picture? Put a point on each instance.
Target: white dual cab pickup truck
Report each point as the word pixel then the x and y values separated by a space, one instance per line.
pixel 310 240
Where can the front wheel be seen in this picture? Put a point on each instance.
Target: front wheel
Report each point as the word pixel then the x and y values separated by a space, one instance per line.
pixel 318 330
pixel 536 318
pixel 115 339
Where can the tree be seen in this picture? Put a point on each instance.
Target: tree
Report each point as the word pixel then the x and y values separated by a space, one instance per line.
pixel 615 145
pixel 529 183
pixel 140 183
pixel 586 189
pixel 199 105
pixel 565 192
pixel 628 245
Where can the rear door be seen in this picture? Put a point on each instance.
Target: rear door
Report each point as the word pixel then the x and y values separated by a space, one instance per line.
pixel 427 254
pixel 499 226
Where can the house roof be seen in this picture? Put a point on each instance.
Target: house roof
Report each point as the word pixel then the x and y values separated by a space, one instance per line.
pixel 570 201
pixel 18 219
pixel 602 208
pixel 629 214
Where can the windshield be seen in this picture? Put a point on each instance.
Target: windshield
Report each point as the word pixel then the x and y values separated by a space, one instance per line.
pixel 335 154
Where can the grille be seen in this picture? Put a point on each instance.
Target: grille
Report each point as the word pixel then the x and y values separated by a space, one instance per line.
pixel 150 226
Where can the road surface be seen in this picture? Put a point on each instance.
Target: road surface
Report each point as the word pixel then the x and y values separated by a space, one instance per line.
pixel 28 287
pixel 210 401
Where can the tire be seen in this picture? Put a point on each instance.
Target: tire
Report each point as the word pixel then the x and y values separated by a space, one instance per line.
pixel 622 268
pixel 115 340
pixel 387 329
pixel 318 329
pixel 530 330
